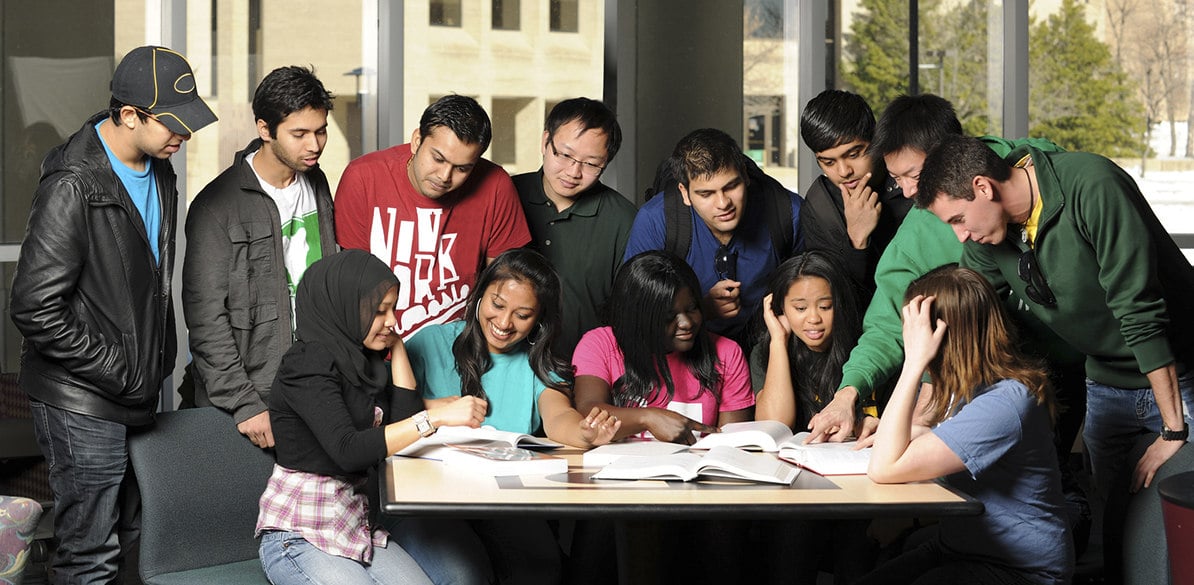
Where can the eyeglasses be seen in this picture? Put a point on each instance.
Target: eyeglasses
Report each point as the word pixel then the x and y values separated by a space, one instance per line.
pixel 725 262
pixel 586 168
pixel 1038 290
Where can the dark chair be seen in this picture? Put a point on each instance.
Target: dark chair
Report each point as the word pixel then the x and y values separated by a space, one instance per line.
pixel 200 481
pixel 1146 558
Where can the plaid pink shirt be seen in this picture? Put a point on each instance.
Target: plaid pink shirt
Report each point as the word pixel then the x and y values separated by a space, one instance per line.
pixel 330 513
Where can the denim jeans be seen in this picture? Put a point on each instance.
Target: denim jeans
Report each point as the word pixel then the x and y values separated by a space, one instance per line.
pixel 94 495
pixel 1115 419
pixel 289 559
pixel 928 564
pixel 448 550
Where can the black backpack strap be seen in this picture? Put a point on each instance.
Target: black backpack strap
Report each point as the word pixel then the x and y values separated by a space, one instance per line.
pixel 778 202
pixel 677 219
pixel 677 222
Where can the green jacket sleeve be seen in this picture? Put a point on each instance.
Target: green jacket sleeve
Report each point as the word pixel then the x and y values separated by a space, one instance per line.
pixel 922 243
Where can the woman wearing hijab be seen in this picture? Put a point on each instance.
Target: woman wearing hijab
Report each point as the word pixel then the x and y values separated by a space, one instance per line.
pixel 337 411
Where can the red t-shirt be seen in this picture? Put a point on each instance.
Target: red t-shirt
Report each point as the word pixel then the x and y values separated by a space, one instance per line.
pixel 435 246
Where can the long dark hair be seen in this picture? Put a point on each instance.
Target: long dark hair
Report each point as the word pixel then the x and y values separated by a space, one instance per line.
pixel 816 376
pixel 640 309
pixel 472 351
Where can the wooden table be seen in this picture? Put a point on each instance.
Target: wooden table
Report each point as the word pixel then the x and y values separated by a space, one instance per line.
pixel 421 487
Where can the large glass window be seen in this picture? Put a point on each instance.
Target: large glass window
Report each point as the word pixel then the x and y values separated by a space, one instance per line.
pixel 1117 78
pixel 769 83
pixel 958 48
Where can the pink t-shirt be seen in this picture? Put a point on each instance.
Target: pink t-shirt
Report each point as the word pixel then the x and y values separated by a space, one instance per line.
pixel 436 247
pixel 598 355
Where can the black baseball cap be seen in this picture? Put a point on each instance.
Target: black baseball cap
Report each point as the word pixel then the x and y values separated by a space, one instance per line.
pixel 160 81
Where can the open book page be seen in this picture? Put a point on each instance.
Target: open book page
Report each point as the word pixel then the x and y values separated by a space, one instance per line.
pixel 429 447
pixel 826 458
pixel 728 462
pixel 763 435
pixel 497 458
pixel 606 454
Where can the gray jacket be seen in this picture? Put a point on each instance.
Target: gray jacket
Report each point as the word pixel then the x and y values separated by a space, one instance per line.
pixel 234 294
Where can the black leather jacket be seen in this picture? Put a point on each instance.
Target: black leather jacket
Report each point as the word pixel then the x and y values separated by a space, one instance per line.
pixel 87 295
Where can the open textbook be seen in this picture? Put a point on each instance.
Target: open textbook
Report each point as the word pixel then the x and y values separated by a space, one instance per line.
pixel 761 435
pixel 727 462
pixel 826 458
pixel 774 436
pixel 432 447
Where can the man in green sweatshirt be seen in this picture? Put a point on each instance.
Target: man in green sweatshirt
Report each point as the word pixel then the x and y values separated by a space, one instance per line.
pixel 909 128
pixel 1073 235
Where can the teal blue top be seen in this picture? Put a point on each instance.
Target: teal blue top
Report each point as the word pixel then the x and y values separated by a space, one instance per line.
pixel 511 386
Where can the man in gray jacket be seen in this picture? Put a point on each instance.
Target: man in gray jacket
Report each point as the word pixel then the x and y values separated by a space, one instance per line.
pixel 91 296
pixel 251 233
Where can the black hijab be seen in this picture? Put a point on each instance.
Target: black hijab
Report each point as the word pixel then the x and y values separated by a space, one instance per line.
pixel 334 307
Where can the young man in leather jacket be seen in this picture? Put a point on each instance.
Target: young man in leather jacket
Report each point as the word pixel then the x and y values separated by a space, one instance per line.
pixel 91 296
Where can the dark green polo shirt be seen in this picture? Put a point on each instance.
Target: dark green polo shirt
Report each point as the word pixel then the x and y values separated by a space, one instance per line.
pixel 585 244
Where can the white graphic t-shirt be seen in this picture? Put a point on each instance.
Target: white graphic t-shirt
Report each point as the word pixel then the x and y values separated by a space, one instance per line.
pixel 299 218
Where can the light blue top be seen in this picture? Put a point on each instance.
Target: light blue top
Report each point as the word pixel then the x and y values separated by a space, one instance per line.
pixel 1005 439
pixel 143 190
pixel 511 386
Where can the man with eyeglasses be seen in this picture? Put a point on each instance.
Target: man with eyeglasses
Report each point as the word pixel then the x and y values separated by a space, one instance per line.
pixel 908 129
pixel 730 209
pixel 576 221
pixel 433 210
pixel 92 297
pixel 1073 234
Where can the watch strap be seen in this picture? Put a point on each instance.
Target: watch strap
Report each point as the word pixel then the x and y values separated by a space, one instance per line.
pixel 1170 435
pixel 423 424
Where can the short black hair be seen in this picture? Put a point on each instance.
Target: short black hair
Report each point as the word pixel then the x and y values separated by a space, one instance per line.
pixel 951 167
pixel 114 107
pixel 914 121
pixel 286 90
pixel 590 114
pixel 836 117
pixel 705 152
pixel 460 114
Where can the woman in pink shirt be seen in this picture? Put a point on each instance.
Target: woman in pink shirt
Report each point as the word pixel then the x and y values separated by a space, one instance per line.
pixel 657 367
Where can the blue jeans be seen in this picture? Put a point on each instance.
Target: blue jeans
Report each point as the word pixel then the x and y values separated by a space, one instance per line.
pixel 928 564
pixel 94 497
pixel 289 559
pixel 448 550
pixel 1115 420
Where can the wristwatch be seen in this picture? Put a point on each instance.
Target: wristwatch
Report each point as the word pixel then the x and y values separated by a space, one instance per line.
pixel 1182 435
pixel 423 424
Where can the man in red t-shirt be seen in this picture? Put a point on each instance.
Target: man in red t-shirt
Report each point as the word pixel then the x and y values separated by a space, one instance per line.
pixel 434 210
